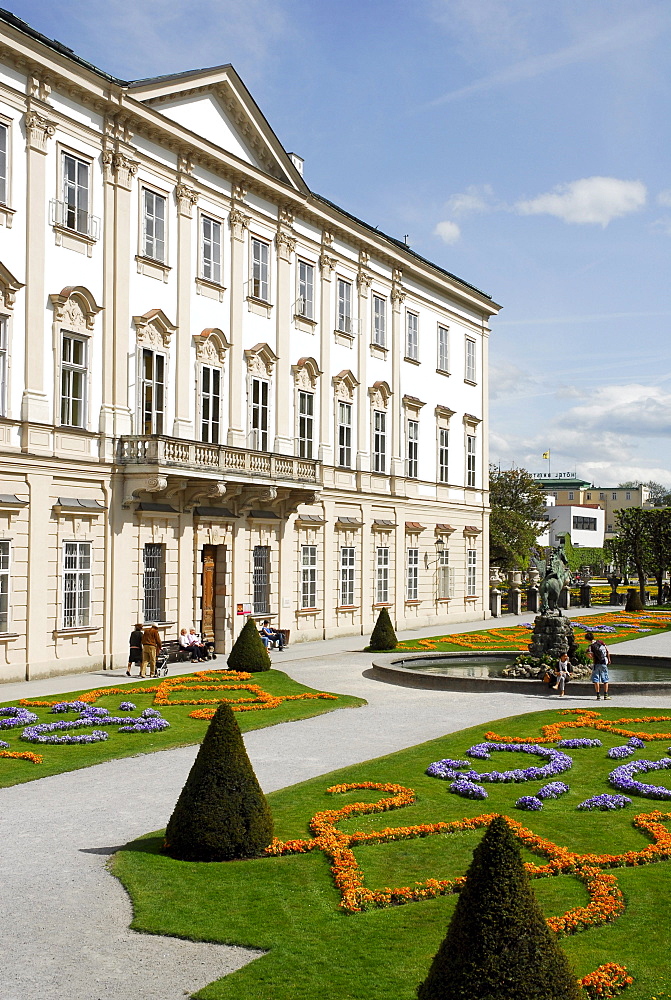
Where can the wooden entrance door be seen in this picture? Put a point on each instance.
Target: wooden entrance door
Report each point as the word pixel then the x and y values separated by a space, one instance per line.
pixel 209 562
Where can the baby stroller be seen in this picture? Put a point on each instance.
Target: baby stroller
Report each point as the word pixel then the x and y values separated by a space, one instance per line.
pixel 162 664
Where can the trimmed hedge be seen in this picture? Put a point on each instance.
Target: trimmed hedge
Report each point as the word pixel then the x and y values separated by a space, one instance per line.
pixel 248 651
pixel 498 945
pixel 383 636
pixel 221 813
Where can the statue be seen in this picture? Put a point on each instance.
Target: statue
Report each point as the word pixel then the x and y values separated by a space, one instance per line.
pixel 554 575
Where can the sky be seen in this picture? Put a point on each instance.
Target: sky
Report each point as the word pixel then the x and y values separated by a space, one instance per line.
pixel 523 145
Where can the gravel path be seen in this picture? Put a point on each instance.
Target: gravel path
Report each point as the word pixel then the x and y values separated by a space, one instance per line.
pixel 65 918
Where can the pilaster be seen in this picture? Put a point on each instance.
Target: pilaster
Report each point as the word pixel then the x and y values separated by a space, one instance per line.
pixel 187 198
pixel 238 223
pixel 38 580
pixel 397 299
pixel 363 283
pixel 327 265
pixel 285 243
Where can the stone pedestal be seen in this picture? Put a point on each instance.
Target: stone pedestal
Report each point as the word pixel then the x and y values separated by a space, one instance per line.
pixel 533 600
pixel 495 603
pixel 564 601
pixel 514 601
pixel 586 595
pixel 552 636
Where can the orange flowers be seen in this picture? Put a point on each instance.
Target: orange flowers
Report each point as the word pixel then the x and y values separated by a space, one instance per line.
pixel 587 720
pixel 606 981
pixel 36 758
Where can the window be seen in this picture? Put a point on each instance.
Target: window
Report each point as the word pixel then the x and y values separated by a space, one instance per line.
pixel 153 582
pixel 345 435
pixel 305 306
pixel 570 495
pixel 470 360
pixel 4 364
pixel 443 455
pixel 344 317
pixel 411 336
pixel 306 402
pixel 260 270
pixel 210 249
pixel 470 460
pixel 584 523
pixel 412 575
pixel 261 582
pixel 444 579
pixel 379 441
pixel 73 381
pixel 152 392
pixel 610 527
pixel 210 404
pixel 308 576
pixel 413 448
pixel 382 581
pixel 75 194
pixel 4 586
pixel 379 321
pixel 76 584
pixel 443 353
pixel 4 136
pixel 627 496
pixel 471 572
pixel 259 415
pixel 588 496
pixel 602 496
pixel 613 496
pixel 153 225
pixel 346 576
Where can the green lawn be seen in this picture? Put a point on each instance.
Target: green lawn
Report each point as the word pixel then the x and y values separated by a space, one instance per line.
pixel 289 905
pixel 183 729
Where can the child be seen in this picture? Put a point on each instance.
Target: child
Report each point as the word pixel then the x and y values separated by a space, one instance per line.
pixel 562 673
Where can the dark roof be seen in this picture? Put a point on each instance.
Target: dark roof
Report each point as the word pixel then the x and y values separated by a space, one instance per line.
pixel 175 76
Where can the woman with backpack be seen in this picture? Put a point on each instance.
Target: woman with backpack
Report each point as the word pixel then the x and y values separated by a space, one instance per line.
pixel 600 657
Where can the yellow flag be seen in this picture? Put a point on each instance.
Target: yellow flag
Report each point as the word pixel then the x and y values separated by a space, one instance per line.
pixel 546 454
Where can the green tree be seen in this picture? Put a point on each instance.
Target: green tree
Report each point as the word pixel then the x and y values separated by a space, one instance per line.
pixel 498 945
pixel 248 652
pixel 658 528
pixel 221 813
pixel 383 636
pixel 518 517
pixel 633 533
pixel 660 496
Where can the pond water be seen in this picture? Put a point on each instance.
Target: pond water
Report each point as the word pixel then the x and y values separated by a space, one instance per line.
pixel 455 666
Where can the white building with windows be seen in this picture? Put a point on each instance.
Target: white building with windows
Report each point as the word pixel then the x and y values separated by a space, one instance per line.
pixel 220 394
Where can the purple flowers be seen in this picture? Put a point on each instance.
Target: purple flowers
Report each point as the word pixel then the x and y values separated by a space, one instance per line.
pixel 150 713
pixel 467 789
pixel 69 706
pixel 553 790
pixel 13 717
pixel 46 732
pixel 635 742
pixel 446 768
pixel 623 778
pixel 126 706
pixel 618 753
pixel 531 802
pixel 605 802
pixel 151 725
pixel 578 744
pixel 4 745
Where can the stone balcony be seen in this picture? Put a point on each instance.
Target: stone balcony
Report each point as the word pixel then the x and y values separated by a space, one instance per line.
pixel 192 458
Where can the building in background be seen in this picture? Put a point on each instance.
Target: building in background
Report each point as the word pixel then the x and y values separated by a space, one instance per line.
pixel 220 394
pixel 567 490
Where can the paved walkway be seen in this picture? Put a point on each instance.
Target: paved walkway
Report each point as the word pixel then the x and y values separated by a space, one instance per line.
pixel 65 919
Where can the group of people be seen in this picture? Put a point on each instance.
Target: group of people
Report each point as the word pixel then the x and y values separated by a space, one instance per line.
pixel 145 646
pixel 193 645
pixel 599 654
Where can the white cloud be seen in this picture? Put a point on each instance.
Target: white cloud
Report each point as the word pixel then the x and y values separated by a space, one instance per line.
pixel 449 232
pixel 664 198
pixel 596 200
pixel 507 380
pixel 476 198
pixel 633 410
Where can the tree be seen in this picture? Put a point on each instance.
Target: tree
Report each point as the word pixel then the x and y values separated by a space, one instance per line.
pixel 658 530
pixel 633 533
pixel 383 636
pixel 498 944
pixel 221 813
pixel 518 517
pixel 248 652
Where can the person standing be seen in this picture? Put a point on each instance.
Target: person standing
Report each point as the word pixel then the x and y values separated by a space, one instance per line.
pixel 151 647
pixel 600 656
pixel 135 650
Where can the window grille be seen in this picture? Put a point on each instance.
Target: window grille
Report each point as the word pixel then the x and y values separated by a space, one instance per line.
pixel 76 584
pixel 153 583
pixel 261 579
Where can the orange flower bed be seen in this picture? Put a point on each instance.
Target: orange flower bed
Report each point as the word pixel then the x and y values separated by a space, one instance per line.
pixel 36 758
pixel 206 680
pixel 587 720
pixel 606 981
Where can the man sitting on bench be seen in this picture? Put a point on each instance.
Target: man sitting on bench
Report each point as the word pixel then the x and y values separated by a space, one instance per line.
pixel 271 635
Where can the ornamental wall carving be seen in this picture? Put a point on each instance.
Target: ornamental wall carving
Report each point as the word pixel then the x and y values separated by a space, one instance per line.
pixel 306 372
pixel 154 329
pixel 344 384
pixel 260 360
pixel 211 347
pixel 379 393
pixel 75 309
pixel 9 286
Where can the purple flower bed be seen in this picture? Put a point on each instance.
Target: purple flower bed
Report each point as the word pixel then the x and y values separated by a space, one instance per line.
pixel 3 745
pixel 553 790
pixel 446 768
pixel 467 789
pixel 68 706
pixel 47 732
pixel 618 753
pixel 557 762
pixel 605 802
pixel 636 742
pixel 531 802
pixel 127 706
pixel 578 744
pixel 151 725
pixel 13 717
pixel 150 713
pixel 623 778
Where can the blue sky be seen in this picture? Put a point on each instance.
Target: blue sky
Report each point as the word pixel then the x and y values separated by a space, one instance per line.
pixel 521 144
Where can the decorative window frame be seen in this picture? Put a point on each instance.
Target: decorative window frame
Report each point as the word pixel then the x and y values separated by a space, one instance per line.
pixel 443 415
pixel 150 266
pixel 344 337
pixel 6 213
pixel 439 368
pixel 64 235
pixel 306 373
pixel 211 349
pixel 380 393
pixel 256 304
pixel 74 312
pixel 412 359
pixel 345 384
pixel 260 361
pixel 471 424
pixel 207 286
pixel 153 331
pixel 411 411
pixel 379 350
pixel 467 379
pixel 306 324
pixel 9 286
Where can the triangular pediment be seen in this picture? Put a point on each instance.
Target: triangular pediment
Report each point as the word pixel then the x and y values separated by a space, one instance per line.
pixel 215 105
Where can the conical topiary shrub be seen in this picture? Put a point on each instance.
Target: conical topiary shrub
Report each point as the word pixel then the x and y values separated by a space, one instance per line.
pixel 221 812
pixel 383 635
pixel 498 945
pixel 634 602
pixel 248 651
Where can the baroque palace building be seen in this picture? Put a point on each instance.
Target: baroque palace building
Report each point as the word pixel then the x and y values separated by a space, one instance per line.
pixel 220 394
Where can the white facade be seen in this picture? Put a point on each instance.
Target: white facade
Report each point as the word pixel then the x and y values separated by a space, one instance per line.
pixel 216 389
pixel 584 524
